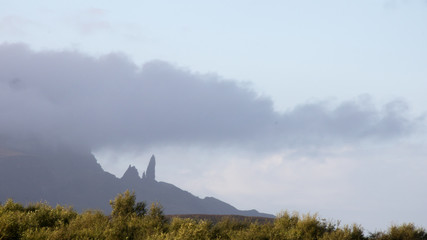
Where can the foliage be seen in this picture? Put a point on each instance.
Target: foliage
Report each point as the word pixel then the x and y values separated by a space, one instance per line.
pixel 402 232
pixel 40 219
pixel 124 205
pixel 131 220
pixel 187 229
pixel 354 232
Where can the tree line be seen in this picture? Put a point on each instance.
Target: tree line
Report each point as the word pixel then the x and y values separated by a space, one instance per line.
pixel 135 220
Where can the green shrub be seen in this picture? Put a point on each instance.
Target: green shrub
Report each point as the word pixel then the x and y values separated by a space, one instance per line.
pixel 354 232
pixel 130 220
pixel 254 232
pixel 10 225
pixel 293 226
pixel 10 205
pixel 188 229
pixel 402 232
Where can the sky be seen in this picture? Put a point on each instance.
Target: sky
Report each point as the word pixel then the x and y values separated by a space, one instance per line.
pixel 303 106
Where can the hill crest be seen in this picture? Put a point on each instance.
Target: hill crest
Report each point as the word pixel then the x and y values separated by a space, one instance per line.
pixel 70 177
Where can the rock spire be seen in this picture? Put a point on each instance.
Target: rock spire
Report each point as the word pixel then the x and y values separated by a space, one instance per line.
pixel 151 169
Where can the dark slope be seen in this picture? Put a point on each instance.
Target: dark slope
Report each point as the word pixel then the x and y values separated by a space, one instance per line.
pixel 58 177
pixel 73 177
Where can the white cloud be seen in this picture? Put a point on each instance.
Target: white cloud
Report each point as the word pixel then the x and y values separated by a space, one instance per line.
pixel 109 101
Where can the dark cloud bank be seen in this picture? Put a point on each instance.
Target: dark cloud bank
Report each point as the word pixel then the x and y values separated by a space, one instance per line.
pixel 109 101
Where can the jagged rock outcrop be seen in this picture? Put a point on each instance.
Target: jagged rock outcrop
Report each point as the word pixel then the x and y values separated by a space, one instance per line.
pixel 131 175
pixel 150 174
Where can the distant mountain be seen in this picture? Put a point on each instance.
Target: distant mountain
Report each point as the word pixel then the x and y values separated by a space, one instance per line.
pixel 73 177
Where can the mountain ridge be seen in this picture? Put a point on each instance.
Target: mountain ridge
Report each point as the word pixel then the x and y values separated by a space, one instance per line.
pixel 74 177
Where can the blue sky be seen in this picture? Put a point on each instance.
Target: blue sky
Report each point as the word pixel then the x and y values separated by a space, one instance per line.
pixel 308 59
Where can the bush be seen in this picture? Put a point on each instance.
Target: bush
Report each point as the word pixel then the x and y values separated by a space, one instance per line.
pixel 188 229
pixel 293 226
pixel 402 232
pixel 130 220
pixel 354 232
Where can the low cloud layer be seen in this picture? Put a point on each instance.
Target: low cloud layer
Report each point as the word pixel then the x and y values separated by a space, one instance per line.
pixel 109 101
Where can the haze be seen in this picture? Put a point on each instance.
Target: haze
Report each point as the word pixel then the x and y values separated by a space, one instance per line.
pixel 280 105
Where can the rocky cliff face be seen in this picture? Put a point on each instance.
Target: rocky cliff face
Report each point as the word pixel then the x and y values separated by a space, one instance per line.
pixel 150 174
pixel 73 177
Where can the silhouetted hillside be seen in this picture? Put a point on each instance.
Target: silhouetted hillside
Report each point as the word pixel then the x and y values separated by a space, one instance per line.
pixel 72 176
